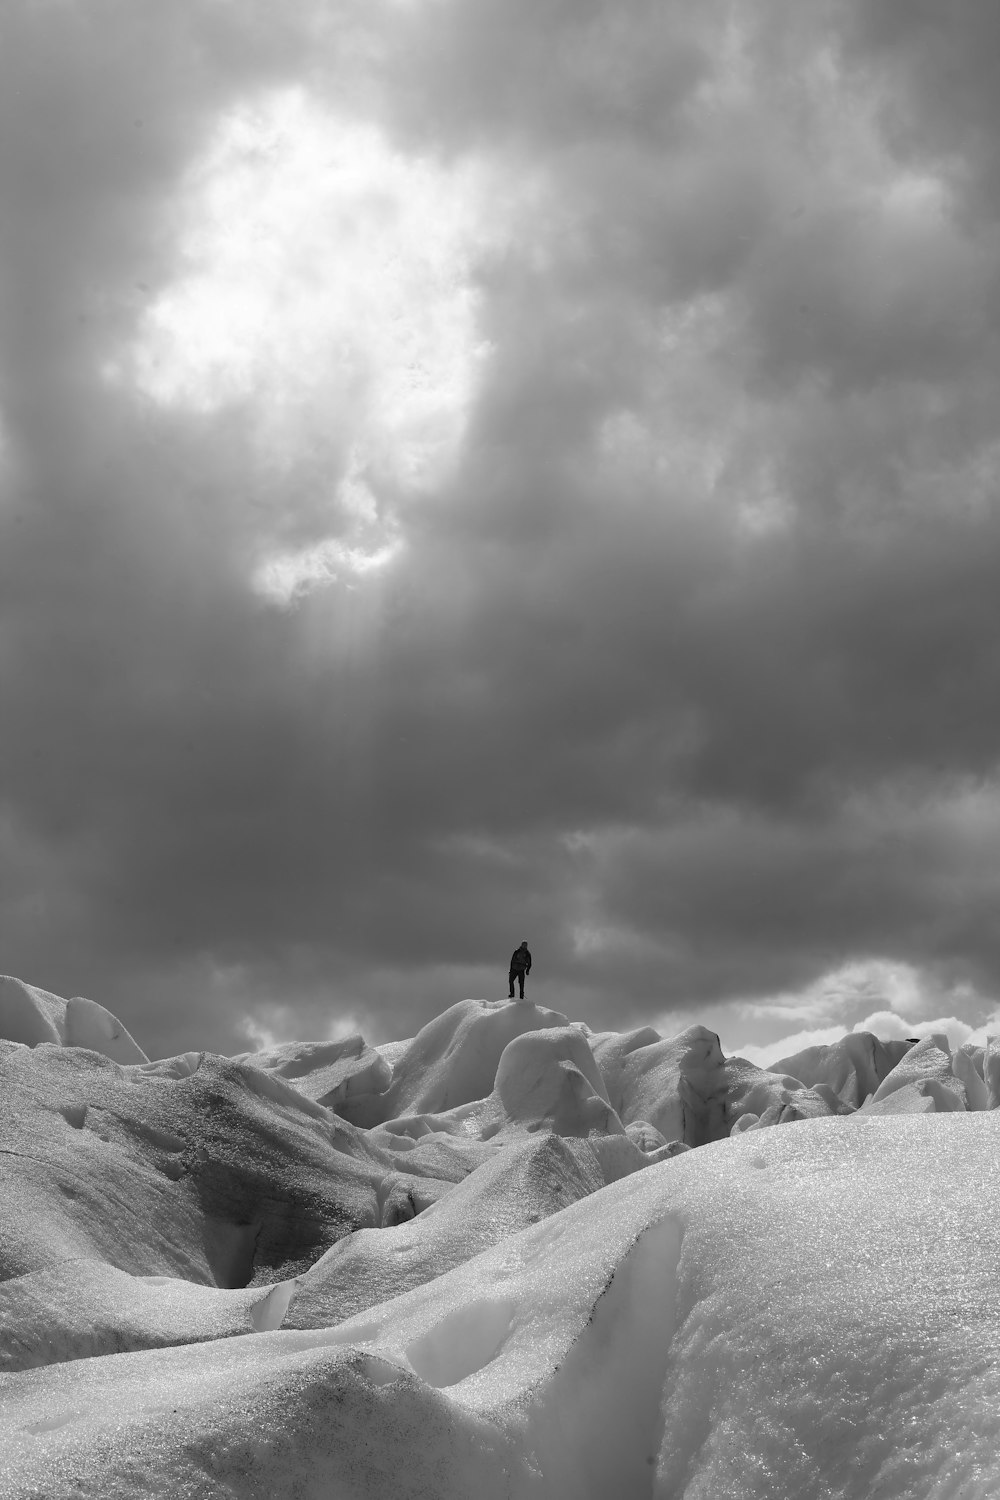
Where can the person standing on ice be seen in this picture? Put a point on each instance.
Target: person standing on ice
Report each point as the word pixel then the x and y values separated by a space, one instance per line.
pixel 520 966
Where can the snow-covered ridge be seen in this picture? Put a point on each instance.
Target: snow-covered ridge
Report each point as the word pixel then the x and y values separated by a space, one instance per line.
pixel 510 1257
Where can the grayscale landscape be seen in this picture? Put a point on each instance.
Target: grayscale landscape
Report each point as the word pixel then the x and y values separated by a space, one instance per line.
pixel 484 478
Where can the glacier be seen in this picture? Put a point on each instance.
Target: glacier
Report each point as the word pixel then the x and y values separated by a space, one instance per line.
pixel 506 1257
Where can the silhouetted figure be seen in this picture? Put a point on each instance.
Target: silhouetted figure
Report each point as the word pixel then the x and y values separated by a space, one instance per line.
pixel 520 966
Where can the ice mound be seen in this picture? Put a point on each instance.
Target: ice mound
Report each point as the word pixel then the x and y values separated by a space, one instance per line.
pixel 758 1097
pixel 207 1176
pixel 82 1308
pixel 326 1072
pixel 525 1181
pixel 853 1067
pixel 452 1060
pixel 909 1077
pixel 549 1080
pixel 929 1061
pixel 676 1084
pixel 32 1016
pixel 508 1257
pixel 29 1015
pixel 90 1025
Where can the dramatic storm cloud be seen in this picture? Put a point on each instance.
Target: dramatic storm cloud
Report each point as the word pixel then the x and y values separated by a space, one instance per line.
pixel 477 471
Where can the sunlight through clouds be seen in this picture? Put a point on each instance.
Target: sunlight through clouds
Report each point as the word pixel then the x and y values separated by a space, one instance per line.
pixel 327 282
pixel 284 578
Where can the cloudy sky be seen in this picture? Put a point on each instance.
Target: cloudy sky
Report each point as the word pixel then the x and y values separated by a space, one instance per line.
pixel 474 470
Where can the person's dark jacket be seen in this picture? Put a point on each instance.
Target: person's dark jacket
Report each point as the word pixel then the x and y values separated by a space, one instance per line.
pixel 520 961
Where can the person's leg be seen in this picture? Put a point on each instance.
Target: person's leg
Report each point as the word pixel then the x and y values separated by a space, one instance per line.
pixel 511 978
pixel 520 980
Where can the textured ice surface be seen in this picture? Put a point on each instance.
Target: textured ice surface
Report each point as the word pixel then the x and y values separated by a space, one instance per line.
pixel 759 1096
pixel 217 1173
pixel 798 1312
pixel 211 1285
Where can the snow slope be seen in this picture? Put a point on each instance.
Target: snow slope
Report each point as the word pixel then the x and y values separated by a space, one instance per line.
pixel 213 1285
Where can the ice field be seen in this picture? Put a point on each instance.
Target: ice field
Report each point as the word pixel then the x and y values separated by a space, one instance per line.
pixel 509 1257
